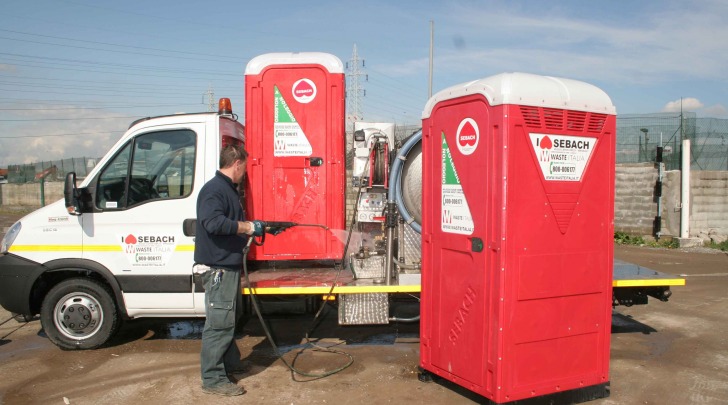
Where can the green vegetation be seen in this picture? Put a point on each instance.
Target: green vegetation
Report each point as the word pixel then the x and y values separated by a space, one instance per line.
pixel 623 238
pixel 669 243
pixel 721 246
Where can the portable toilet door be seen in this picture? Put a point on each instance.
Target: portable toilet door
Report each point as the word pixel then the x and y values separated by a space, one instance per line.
pixel 294 119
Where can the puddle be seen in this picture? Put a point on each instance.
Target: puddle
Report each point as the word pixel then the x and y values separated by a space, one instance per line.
pixel 181 329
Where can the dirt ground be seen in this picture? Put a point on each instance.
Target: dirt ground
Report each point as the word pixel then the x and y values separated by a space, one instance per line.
pixel 661 353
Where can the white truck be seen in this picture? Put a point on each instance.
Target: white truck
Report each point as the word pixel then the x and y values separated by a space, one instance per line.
pixel 125 250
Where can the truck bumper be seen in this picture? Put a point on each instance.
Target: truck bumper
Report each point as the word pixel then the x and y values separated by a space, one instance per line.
pixel 17 276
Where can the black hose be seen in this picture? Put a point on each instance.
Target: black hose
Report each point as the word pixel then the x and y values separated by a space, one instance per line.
pixel 268 334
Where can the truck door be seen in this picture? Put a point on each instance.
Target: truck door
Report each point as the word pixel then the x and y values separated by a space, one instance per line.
pixel 141 197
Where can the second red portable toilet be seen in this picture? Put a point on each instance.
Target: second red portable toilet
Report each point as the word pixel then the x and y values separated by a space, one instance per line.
pixel 517 236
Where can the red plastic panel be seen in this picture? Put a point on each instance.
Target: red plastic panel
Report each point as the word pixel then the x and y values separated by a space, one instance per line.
pixel 295 138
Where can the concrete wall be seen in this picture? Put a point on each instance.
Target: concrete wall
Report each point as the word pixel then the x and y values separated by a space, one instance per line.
pixel 635 204
pixel 28 195
pixel 709 205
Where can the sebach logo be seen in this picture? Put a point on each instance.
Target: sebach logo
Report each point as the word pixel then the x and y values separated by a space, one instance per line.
pixel 467 136
pixel 562 157
pixel 304 91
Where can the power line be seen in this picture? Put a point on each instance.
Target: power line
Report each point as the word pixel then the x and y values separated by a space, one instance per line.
pixel 93 108
pixel 70 119
pixel 237 60
pixel 394 83
pixel 122 83
pixel 54 135
pixel 109 50
pixel 114 65
pixel 157 95
pixel 114 90
pixel 56 68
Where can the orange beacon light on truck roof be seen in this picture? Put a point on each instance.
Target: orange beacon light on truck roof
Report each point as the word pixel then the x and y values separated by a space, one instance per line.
pixel 224 106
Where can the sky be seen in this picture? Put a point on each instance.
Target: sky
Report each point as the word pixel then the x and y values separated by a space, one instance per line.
pixel 75 73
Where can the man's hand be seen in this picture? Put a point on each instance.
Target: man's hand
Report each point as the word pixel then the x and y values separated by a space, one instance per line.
pixel 256 228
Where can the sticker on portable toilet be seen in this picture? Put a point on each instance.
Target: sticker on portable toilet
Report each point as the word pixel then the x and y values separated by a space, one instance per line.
pixel 456 217
pixel 467 136
pixel 562 157
pixel 288 137
pixel 304 91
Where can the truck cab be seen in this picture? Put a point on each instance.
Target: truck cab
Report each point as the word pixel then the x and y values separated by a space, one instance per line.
pixel 121 245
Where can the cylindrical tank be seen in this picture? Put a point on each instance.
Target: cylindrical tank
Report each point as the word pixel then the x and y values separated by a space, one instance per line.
pixel 405 179
pixel 412 183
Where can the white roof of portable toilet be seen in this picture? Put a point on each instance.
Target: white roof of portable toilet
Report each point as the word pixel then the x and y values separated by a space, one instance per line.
pixel 330 62
pixel 530 90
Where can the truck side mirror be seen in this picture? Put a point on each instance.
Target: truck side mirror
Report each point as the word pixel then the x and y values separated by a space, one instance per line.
pixel 70 194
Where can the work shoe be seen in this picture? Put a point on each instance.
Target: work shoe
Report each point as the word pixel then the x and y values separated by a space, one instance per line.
pixel 226 390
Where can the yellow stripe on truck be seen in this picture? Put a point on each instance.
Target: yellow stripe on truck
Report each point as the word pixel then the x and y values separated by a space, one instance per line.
pixel 352 289
pixel 64 248
pixel 649 283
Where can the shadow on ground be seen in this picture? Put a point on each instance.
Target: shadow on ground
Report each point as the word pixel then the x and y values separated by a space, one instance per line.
pixel 627 324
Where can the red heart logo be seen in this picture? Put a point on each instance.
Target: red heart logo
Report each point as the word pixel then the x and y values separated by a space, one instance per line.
pixel 546 143
pixel 467 135
pixel 130 240
pixel 303 89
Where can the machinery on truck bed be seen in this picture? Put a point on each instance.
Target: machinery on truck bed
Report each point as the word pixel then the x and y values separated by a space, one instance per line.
pixel 125 249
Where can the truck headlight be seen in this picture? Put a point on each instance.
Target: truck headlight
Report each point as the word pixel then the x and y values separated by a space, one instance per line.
pixel 9 237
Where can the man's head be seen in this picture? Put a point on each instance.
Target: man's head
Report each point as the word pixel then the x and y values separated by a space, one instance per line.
pixel 232 162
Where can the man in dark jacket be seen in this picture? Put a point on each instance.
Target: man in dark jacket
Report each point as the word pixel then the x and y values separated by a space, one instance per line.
pixel 221 235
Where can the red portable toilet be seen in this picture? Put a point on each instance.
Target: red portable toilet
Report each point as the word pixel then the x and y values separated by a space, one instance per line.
pixel 517 237
pixel 294 122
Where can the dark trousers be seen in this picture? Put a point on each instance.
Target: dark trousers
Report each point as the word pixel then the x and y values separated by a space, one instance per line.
pixel 223 304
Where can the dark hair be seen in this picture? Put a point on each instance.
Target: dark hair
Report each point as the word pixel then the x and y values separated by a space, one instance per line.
pixel 229 154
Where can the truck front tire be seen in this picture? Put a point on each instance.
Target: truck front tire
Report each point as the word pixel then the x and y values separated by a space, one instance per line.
pixel 79 313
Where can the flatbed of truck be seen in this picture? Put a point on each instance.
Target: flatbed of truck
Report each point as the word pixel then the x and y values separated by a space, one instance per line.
pixel 320 281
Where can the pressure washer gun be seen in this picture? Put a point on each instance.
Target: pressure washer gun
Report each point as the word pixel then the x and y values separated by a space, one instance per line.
pixel 276 227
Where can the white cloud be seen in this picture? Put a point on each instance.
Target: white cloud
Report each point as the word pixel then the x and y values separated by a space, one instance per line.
pixel 685 104
pixel 715 111
pixel 39 137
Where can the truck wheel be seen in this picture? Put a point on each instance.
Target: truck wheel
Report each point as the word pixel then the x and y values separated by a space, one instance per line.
pixel 79 313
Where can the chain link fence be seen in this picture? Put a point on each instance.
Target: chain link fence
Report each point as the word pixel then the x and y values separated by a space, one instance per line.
pixel 52 170
pixel 638 137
